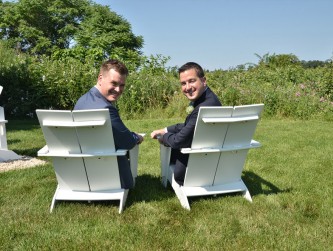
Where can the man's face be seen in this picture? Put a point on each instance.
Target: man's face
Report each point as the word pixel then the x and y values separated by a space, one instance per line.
pixel 192 86
pixel 111 84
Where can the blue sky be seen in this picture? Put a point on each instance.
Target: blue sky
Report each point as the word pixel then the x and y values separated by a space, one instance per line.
pixel 219 34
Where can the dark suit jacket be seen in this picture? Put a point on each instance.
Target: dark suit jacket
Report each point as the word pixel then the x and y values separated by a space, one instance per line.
pixel 123 138
pixel 181 135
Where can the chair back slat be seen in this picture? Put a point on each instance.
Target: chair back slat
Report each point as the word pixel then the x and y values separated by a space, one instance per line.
pixel 228 130
pixel 95 138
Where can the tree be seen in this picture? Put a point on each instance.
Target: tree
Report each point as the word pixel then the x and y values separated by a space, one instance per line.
pixel 40 26
pixel 281 60
pixel 314 63
pixel 68 28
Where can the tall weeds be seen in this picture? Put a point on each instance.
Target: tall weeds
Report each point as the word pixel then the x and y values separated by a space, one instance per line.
pixel 154 91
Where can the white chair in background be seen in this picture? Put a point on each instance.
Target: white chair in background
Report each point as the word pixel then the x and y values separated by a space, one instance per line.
pixel 5 154
pixel 84 157
pixel 222 139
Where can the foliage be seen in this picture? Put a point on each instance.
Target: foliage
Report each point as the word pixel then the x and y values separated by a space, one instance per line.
pixel 152 87
pixel 61 82
pixel 286 91
pixel 104 29
pixel 32 83
pixel 289 90
pixel 57 84
pixel 289 179
pixel 314 63
pixel 281 60
pixel 17 83
pixel 38 26
pixel 68 28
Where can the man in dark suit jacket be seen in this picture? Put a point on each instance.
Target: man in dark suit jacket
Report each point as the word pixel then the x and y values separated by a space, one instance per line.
pixel 109 87
pixel 194 87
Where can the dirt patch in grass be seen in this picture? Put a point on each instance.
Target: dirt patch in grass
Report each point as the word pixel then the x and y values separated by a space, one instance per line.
pixel 24 162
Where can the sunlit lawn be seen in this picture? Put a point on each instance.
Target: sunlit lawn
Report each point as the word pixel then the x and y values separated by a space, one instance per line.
pixel 289 177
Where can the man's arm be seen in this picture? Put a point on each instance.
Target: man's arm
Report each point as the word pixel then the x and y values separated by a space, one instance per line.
pixel 182 138
pixel 123 137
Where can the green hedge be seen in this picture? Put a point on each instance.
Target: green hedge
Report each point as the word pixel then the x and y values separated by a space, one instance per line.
pixel 287 91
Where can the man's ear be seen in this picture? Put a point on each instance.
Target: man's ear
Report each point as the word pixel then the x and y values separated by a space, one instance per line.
pixel 203 80
pixel 99 78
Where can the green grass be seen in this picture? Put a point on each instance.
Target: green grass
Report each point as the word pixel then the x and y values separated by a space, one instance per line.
pixel 289 177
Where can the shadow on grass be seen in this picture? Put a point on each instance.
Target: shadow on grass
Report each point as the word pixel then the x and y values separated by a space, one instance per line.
pixel 258 185
pixel 22 125
pixel 32 152
pixel 147 188
pixel 254 183
pixel 15 126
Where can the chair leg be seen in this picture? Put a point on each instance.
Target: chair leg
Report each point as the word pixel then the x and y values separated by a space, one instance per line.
pixel 165 153
pixel 123 201
pixel 53 201
pixel 180 194
pixel 247 195
pixel 165 181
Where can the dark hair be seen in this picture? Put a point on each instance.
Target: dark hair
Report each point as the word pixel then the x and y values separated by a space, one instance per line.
pixel 191 65
pixel 114 64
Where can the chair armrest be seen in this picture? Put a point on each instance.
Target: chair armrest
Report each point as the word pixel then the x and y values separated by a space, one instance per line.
pixel 119 152
pixel 253 144
pixel 46 153
pixel 201 150
pixel 43 151
pixel 230 120
pixel 74 123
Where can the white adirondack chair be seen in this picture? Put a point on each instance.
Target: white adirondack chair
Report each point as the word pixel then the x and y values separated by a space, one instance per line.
pixel 82 147
pixel 222 138
pixel 5 154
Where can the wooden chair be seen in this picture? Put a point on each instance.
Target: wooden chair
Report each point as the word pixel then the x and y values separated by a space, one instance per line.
pixel 84 157
pixel 5 154
pixel 222 139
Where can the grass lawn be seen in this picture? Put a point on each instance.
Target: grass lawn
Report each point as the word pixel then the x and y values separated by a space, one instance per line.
pixel 290 179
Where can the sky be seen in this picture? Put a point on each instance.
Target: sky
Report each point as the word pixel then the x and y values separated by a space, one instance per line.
pixel 221 34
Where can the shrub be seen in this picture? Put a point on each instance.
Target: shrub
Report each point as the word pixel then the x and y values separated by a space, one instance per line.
pixel 30 82
pixel 144 92
pixel 287 90
pixel 17 95
pixel 59 83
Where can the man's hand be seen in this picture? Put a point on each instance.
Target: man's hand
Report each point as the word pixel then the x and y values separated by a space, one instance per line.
pixel 157 133
pixel 140 138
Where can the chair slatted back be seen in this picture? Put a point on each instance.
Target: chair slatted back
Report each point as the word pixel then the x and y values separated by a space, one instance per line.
pixel 102 171
pixel 62 140
pixel 84 145
pixel 226 133
pixel 202 166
